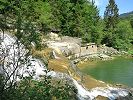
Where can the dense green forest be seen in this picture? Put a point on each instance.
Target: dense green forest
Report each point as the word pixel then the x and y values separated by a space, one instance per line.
pixel 69 17
pixel 76 18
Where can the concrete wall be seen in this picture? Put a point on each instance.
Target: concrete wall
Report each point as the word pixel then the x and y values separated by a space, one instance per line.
pixel 90 49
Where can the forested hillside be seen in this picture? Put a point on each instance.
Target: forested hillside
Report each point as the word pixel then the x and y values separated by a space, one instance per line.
pixel 128 14
pixel 67 17
pixel 29 21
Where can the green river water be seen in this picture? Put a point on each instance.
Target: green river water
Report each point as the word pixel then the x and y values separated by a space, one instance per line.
pixel 119 70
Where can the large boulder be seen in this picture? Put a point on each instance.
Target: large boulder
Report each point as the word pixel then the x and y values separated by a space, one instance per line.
pixel 64 47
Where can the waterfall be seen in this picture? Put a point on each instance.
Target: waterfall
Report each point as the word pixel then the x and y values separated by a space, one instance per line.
pixel 36 66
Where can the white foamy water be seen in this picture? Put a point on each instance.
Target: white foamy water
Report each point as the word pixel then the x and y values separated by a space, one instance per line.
pixel 9 49
pixel 109 92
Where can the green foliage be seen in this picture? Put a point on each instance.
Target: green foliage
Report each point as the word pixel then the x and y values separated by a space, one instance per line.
pixel 130 52
pixel 121 44
pixel 131 22
pixel 43 10
pixel 111 15
pixel 6 93
pixel 68 17
pixel 3 3
pixel 46 89
pixel 25 15
pixel 122 37
pixel 125 34
pixel 111 21
pixel 124 29
pixel 75 18
pixel 118 32
pixel 72 18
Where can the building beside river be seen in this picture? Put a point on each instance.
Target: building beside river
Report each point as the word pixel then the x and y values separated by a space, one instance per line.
pixel 88 48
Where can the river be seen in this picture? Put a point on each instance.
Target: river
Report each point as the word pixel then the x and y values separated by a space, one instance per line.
pixel 118 70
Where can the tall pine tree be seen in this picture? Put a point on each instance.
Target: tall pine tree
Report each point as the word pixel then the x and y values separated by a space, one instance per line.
pixel 111 15
pixel 111 18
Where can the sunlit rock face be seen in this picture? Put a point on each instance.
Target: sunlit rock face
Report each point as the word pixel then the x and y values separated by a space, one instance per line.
pixel 13 58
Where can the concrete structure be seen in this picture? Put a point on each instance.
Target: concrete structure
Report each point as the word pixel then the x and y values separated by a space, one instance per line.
pixel 89 48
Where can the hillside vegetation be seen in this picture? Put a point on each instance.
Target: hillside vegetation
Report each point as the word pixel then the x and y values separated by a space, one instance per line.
pixel 67 17
pixel 31 20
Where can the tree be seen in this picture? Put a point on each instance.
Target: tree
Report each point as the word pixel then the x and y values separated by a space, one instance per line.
pixel 14 62
pixel 43 11
pixel 76 18
pixel 111 15
pixel 131 22
pixel 111 18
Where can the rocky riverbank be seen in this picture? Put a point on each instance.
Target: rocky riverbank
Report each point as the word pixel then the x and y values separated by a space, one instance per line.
pixel 72 49
pixel 99 88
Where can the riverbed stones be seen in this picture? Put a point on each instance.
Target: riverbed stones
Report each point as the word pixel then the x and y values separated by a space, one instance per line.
pixel 107 50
